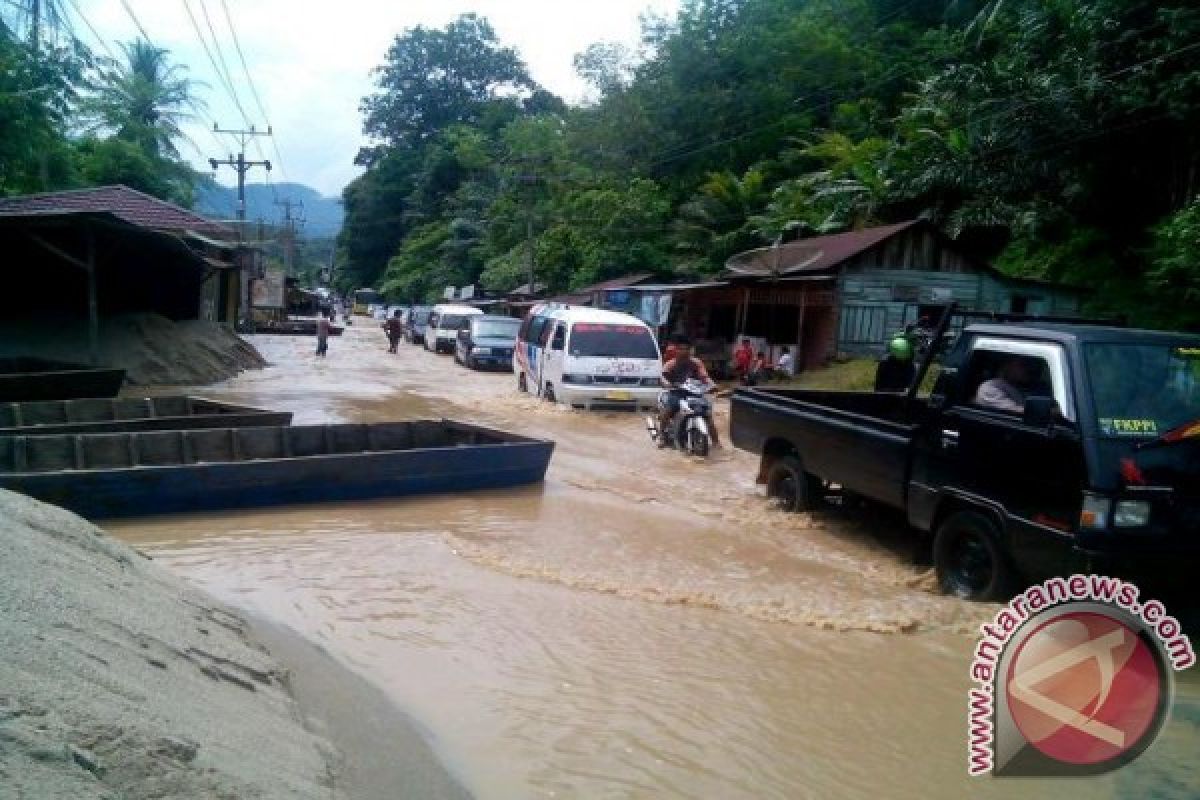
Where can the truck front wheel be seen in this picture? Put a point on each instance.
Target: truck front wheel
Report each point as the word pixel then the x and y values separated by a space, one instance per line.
pixel 790 487
pixel 968 559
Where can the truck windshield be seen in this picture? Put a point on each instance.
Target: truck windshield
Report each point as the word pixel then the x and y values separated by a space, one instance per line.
pixel 1144 390
pixel 616 341
pixel 452 322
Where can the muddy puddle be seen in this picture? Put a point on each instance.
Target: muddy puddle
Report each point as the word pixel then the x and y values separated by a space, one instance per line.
pixel 641 625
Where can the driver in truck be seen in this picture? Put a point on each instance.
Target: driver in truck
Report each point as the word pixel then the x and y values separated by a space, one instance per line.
pixel 680 369
pixel 1009 389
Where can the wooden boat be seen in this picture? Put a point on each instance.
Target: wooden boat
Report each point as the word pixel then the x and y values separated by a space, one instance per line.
pixel 24 379
pixel 294 327
pixel 112 415
pixel 154 472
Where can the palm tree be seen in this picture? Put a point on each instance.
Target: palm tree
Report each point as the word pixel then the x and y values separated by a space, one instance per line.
pixel 144 100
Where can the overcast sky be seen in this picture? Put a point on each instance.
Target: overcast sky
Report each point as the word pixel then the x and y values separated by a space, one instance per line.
pixel 310 61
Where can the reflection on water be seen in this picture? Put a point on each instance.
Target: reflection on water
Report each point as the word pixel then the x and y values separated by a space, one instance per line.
pixel 638 627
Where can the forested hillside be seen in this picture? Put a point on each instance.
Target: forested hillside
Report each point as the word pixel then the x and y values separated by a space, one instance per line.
pixel 1061 136
pixel 322 215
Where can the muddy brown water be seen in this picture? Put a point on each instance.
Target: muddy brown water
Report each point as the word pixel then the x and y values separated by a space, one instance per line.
pixel 641 625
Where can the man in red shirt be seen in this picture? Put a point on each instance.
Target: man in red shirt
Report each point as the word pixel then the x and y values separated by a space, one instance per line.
pixel 743 359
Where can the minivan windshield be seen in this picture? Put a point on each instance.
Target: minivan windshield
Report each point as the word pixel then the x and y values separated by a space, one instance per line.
pixel 1144 390
pixel 452 322
pixel 615 341
pixel 496 328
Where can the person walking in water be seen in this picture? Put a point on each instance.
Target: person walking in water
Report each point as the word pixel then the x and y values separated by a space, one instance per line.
pixel 323 328
pixel 393 328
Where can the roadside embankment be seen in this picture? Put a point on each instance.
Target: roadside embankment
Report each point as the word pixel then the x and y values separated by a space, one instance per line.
pixel 152 349
pixel 116 680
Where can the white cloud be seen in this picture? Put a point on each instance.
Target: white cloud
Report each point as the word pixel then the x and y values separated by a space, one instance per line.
pixel 311 61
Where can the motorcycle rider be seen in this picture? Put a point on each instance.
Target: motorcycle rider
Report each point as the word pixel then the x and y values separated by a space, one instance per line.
pixel 680 369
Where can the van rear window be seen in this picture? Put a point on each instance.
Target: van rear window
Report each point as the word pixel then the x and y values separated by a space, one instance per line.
pixel 613 341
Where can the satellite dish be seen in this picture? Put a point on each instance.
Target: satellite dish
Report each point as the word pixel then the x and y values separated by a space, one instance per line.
pixel 774 261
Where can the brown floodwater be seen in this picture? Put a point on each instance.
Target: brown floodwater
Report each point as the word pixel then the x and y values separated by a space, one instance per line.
pixel 641 625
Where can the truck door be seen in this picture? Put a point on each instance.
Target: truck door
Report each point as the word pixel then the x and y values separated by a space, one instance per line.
pixel 1035 473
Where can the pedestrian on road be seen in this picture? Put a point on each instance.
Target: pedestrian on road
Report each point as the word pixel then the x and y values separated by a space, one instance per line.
pixel 743 360
pixel 394 329
pixel 323 328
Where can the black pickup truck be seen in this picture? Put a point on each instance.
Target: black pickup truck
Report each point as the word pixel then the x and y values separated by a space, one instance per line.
pixel 1093 463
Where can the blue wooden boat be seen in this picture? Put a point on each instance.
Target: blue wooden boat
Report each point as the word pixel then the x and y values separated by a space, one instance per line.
pixel 24 379
pixel 155 472
pixel 125 414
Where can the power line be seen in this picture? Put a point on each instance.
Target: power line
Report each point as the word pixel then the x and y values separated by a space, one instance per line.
pixel 253 89
pixel 137 23
pixel 211 60
pixel 228 77
pixel 88 23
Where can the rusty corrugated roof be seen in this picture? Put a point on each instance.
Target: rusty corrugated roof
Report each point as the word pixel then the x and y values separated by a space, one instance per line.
pixel 815 254
pixel 128 205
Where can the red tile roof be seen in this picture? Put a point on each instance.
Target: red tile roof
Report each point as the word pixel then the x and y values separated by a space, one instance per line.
pixel 122 202
pixel 816 254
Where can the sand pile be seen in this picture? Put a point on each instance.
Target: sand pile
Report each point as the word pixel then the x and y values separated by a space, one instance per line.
pixel 152 349
pixel 117 682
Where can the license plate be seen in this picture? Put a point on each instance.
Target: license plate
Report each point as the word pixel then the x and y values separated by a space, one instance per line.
pixel 618 396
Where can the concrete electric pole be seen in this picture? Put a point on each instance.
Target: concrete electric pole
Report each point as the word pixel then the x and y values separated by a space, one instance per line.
pixel 241 166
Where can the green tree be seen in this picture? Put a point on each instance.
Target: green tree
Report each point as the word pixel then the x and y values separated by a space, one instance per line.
pixel 433 79
pixel 144 99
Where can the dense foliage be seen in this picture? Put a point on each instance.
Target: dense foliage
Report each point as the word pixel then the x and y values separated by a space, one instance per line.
pixel 70 118
pixel 1058 137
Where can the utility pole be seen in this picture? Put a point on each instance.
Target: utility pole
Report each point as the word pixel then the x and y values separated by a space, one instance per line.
pixel 241 165
pixel 289 232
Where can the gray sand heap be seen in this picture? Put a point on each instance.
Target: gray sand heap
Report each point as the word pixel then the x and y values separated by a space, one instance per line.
pixel 152 349
pixel 116 681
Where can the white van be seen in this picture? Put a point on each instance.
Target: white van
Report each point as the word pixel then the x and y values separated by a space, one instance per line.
pixel 445 321
pixel 588 358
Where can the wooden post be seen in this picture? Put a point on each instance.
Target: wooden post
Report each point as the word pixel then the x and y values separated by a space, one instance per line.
pixel 801 348
pixel 93 311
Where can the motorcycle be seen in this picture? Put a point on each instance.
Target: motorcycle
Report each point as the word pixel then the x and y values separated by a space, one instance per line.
pixel 689 428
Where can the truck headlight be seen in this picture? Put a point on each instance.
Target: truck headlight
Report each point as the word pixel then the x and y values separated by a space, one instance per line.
pixel 1094 514
pixel 1131 514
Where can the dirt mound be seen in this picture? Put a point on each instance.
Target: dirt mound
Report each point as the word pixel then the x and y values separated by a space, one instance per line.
pixel 117 681
pixel 153 350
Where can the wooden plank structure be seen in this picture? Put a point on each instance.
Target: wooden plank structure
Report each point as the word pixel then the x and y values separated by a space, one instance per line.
pixel 156 472
pixel 24 379
pixel 126 414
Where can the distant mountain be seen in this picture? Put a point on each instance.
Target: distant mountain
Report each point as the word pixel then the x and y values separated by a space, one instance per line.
pixel 323 215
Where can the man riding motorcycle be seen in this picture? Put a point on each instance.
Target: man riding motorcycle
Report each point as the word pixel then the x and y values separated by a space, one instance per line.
pixel 680 369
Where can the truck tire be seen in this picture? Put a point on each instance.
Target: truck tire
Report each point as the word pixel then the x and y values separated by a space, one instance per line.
pixel 791 487
pixel 969 560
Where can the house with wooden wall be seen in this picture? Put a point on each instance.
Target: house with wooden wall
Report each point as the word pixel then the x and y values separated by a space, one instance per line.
pixel 882 278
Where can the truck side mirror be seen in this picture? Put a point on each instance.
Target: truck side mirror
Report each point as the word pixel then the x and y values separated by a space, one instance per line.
pixel 1040 412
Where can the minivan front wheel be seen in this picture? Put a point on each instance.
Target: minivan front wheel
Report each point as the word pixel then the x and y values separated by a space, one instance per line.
pixel 968 558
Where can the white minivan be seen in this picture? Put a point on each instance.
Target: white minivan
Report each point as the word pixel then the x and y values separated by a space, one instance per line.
pixel 445 321
pixel 588 358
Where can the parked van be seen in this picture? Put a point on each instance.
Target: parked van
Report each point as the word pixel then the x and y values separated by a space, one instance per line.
pixel 588 358
pixel 445 321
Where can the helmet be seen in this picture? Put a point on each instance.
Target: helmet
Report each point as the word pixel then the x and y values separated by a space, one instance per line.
pixel 901 348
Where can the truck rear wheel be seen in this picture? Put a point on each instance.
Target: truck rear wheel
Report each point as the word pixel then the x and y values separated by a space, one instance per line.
pixel 968 558
pixel 790 487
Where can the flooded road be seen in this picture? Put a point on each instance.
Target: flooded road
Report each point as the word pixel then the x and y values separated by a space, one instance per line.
pixel 640 626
